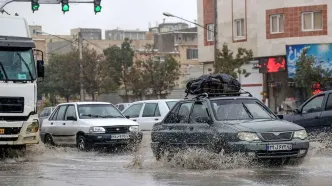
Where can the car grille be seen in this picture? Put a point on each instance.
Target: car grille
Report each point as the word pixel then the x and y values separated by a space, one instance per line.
pixel 119 129
pixel 277 136
pixel 11 130
pixel 11 104
pixel 262 154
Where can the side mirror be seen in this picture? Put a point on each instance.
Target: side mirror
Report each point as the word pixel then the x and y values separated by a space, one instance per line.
pixel 281 116
pixel 128 117
pixel 71 118
pixel 297 111
pixel 40 68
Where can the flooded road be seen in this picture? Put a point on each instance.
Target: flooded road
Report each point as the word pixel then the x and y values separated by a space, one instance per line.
pixel 67 166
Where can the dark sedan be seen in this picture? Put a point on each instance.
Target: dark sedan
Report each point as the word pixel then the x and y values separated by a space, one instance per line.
pixel 234 124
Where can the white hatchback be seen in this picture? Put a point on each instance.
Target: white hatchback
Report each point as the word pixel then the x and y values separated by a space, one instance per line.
pixel 147 113
pixel 86 124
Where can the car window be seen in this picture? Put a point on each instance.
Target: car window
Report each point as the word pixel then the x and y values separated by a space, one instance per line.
pixel 70 112
pixel 314 105
pixel 134 110
pixel 240 109
pixel 43 113
pixel 151 110
pixel 329 102
pixel 89 111
pixel 179 114
pixel 171 104
pixel 61 112
pixel 121 107
pixel 55 113
pixel 199 111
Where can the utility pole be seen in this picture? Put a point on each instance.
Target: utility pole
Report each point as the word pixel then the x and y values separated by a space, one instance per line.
pixel 80 48
pixel 215 30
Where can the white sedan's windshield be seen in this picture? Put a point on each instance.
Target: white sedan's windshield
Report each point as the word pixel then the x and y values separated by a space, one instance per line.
pixel 17 64
pixel 88 111
pixel 239 110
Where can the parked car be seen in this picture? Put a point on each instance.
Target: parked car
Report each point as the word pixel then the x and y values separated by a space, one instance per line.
pixel 88 124
pixel 229 123
pixel 147 113
pixel 122 106
pixel 45 113
pixel 315 114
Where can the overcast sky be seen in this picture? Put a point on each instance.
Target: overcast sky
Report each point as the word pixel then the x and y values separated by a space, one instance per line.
pixel 125 14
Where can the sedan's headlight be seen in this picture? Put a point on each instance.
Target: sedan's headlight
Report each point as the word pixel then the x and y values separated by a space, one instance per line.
pixel 97 130
pixel 134 129
pixel 34 127
pixel 301 134
pixel 248 136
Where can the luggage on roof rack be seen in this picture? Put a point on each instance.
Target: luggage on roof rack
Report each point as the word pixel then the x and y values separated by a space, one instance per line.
pixel 213 84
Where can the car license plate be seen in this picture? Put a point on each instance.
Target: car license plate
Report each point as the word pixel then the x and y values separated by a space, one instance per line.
pixel 279 147
pixel 2 131
pixel 120 136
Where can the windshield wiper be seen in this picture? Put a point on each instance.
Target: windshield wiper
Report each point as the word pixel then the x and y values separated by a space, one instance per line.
pixel 92 116
pixel 109 116
pixel 4 71
pixel 26 65
pixel 247 110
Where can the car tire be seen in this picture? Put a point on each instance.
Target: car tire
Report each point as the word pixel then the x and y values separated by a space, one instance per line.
pixel 83 144
pixel 48 141
pixel 160 152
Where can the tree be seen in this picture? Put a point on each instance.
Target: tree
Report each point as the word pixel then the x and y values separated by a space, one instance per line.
pixel 307 74
pixel 226 63
pixel 137 83
pixel 120 60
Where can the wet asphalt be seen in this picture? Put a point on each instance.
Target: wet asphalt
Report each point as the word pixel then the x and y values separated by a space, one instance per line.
pixel 68 167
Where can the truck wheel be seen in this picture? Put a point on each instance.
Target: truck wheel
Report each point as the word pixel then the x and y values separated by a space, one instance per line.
pixel 48 140
pixel 82 144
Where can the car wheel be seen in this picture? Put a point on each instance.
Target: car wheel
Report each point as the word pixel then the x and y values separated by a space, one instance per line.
pixel 82 144
pixel 160 152
pixel 48 140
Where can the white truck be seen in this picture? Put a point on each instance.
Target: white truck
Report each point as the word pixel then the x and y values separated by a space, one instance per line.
pixel 19 73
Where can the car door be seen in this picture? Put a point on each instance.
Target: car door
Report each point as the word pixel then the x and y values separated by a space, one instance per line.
pixel 58 125
pixel 134 111
pixel 71 125
pixel 176 124
pixel 150 115
pixel 200 133
pixel 310 113
pixel 326 117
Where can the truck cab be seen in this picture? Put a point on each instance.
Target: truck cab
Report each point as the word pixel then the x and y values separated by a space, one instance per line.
pixel 19 73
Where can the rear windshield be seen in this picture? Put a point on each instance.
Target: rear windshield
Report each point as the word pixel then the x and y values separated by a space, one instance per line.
pixel 241 109
pixel 171 104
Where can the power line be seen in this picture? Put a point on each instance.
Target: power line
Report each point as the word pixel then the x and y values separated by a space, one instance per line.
pixel 58 37
pixel 61 47
pixel 94 44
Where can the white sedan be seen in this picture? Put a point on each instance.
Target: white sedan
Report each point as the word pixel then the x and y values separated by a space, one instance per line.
pixel 87 124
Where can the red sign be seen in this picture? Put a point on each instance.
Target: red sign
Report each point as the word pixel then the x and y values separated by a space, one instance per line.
pixel 272 64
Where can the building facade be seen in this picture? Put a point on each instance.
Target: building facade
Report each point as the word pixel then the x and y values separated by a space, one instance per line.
pixel 87 33
pixel 120 35
pixel 267 28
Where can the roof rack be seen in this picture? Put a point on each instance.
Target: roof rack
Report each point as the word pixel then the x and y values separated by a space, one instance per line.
pixel 207 95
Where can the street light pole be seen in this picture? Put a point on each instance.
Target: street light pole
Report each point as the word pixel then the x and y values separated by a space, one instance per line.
pixel 215 26
pixel 80 48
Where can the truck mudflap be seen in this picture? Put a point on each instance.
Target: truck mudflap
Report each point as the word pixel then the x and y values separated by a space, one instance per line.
pixel 19 132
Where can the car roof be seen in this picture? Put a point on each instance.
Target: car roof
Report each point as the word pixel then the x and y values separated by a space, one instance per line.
pixel 231 97
pixel 87 103
pixel 156 100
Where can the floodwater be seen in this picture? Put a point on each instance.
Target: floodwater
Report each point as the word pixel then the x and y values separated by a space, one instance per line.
pixel 66 167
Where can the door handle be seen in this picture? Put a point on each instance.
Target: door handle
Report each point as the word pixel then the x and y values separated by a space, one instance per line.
pixel 134 120
pixel 170 128
pixel 51 123
pixel 156 119
pixel 316 117
pixel 64 123
pixel 191 128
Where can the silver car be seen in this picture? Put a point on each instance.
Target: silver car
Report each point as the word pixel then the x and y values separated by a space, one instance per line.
pixel 45 113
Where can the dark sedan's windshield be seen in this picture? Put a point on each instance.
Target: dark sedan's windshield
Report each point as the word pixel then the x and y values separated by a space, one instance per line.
pixel 88 111
pixel 240 109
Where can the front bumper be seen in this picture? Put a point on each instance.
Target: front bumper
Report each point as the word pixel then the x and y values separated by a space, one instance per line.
pixel 105 139
pixel 17 138
pixel 259 149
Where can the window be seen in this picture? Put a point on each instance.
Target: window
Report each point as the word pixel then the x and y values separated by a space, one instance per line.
pixel 179 114
pixel 314 105
pixel 241 109
pixel 192 53
pixel 171 104
pixel 329 102
pixel 312 21
pixel 239 27
pixel 133 111
pixel 199 112
pixel 151 110
pixel 70 112
pixel 54 114
pixel 61 112
pixel 88 111
pixel 277 23
pixel 210 32
pixel 121 107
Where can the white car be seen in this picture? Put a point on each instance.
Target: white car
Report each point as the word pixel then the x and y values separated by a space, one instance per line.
pixel 87 124
pixel 147 113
